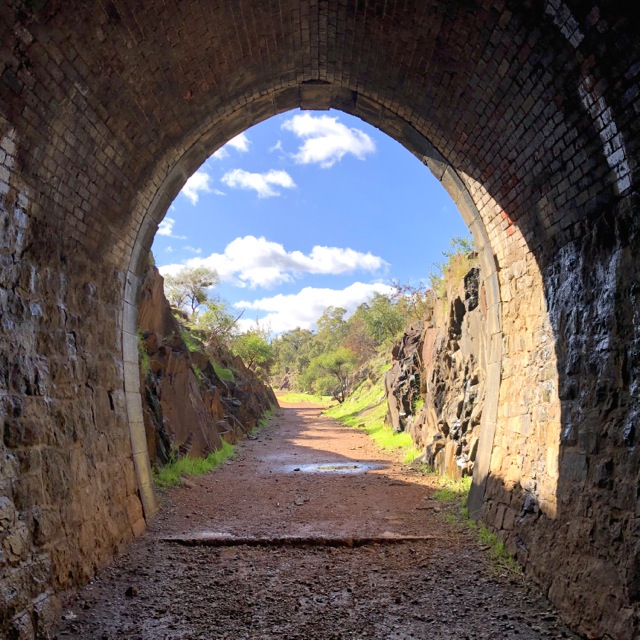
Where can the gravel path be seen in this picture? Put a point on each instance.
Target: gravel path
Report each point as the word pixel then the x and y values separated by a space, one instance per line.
pixel 324 507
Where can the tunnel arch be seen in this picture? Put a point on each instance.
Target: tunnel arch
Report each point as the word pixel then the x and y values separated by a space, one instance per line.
pixel 190 161
pixel 106 109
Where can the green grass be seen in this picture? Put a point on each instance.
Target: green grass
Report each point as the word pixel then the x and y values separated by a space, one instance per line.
pixel 264 420
pixel 456 492
pixel 411 454
pixel 292 397
pixel 366 409
pixel 222 372
pixel 198 373
pixel 453 490
pixel 193 344
pixel 169 475
pixel 143 357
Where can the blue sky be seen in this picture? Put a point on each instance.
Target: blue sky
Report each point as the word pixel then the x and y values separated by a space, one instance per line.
pixel 306 210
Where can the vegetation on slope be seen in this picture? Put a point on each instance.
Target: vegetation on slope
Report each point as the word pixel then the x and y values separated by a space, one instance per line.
pixel 366 409
pixel 169 475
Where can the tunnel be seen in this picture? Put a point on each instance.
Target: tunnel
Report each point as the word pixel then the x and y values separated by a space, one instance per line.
pixel 527 112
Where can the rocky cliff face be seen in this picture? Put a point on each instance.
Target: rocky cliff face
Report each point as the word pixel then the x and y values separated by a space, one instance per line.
pixel 188 407
pixel 435 387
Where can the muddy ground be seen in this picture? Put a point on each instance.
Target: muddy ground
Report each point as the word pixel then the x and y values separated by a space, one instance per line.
pixel 293 585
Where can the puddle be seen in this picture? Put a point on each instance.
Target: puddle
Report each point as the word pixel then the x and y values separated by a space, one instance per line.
pixel 334 467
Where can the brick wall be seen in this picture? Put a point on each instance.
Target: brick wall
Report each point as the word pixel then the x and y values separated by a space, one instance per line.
pixel 527 112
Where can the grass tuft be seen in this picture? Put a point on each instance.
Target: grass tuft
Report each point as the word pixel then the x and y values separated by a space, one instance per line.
pixel 453 490
pixel 222 372
pixel 294 397
pixel 143 357
pixel 366 409
pixel 169 475
pixel 456 492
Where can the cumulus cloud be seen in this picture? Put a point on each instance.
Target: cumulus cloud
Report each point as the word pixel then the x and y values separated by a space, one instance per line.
pixel 165 228
pixel 262 183
pixel 198 183
pixel 302 309
pixel 258 262
pixel 326 141
pixel 239 143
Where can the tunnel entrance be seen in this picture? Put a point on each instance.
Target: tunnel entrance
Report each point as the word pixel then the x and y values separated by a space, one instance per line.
pixel 527 113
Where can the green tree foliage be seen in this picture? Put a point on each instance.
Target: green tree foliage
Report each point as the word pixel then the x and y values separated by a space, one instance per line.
pixel 255 351
pixel 292 350
pixel 332 328
pixel 328 373
pixel 383 319
pixel 305 357
pixel 188 288
pixel 215 321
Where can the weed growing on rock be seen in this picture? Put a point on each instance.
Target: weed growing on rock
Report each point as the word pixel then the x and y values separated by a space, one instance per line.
pixel 222 372
pixel 456 493
pixel 169 475
pixel 198 373
pixel 143 357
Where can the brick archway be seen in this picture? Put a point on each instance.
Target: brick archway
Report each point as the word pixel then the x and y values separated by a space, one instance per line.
pixel 526 112
pixel 311 96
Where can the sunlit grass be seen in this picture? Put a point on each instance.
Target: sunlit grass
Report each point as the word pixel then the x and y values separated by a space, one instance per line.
pixel 295 398
pixel 169 475
pixel 222 372
pixel 453 490
pixel 456 492
pixel 366 409
pixel 264 420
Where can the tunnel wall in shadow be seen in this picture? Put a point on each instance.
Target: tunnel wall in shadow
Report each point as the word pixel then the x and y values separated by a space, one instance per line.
pixel 104 112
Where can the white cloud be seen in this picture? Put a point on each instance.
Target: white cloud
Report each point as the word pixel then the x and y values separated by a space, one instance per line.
pixel 220 153
pixel 327 141
pixel 198 183
pixel 192 249
pixel 240 143
pixel 258 262
pixel 261 183
pixel 169 249
pixel 165 228
pixel 302 309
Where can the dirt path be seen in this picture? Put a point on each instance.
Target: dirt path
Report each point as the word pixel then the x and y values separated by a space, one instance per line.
pixel 434 588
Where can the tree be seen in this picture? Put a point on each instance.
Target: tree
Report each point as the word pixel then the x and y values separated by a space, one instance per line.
pixel 383 319
pixel 215 321
pixel 187 289
pixel 415 303
pixel 331 328
pixel 291 350
pixel 357 339
pixel 337 366
pixel 254 350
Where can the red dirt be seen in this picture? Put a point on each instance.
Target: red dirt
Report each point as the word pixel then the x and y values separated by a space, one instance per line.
pixel 440 587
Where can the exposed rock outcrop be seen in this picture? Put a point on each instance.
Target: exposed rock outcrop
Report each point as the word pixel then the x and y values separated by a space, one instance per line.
pixel 435 387
pixel 188 407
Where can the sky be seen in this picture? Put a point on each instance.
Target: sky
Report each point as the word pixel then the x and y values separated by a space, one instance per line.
pixel 307 210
